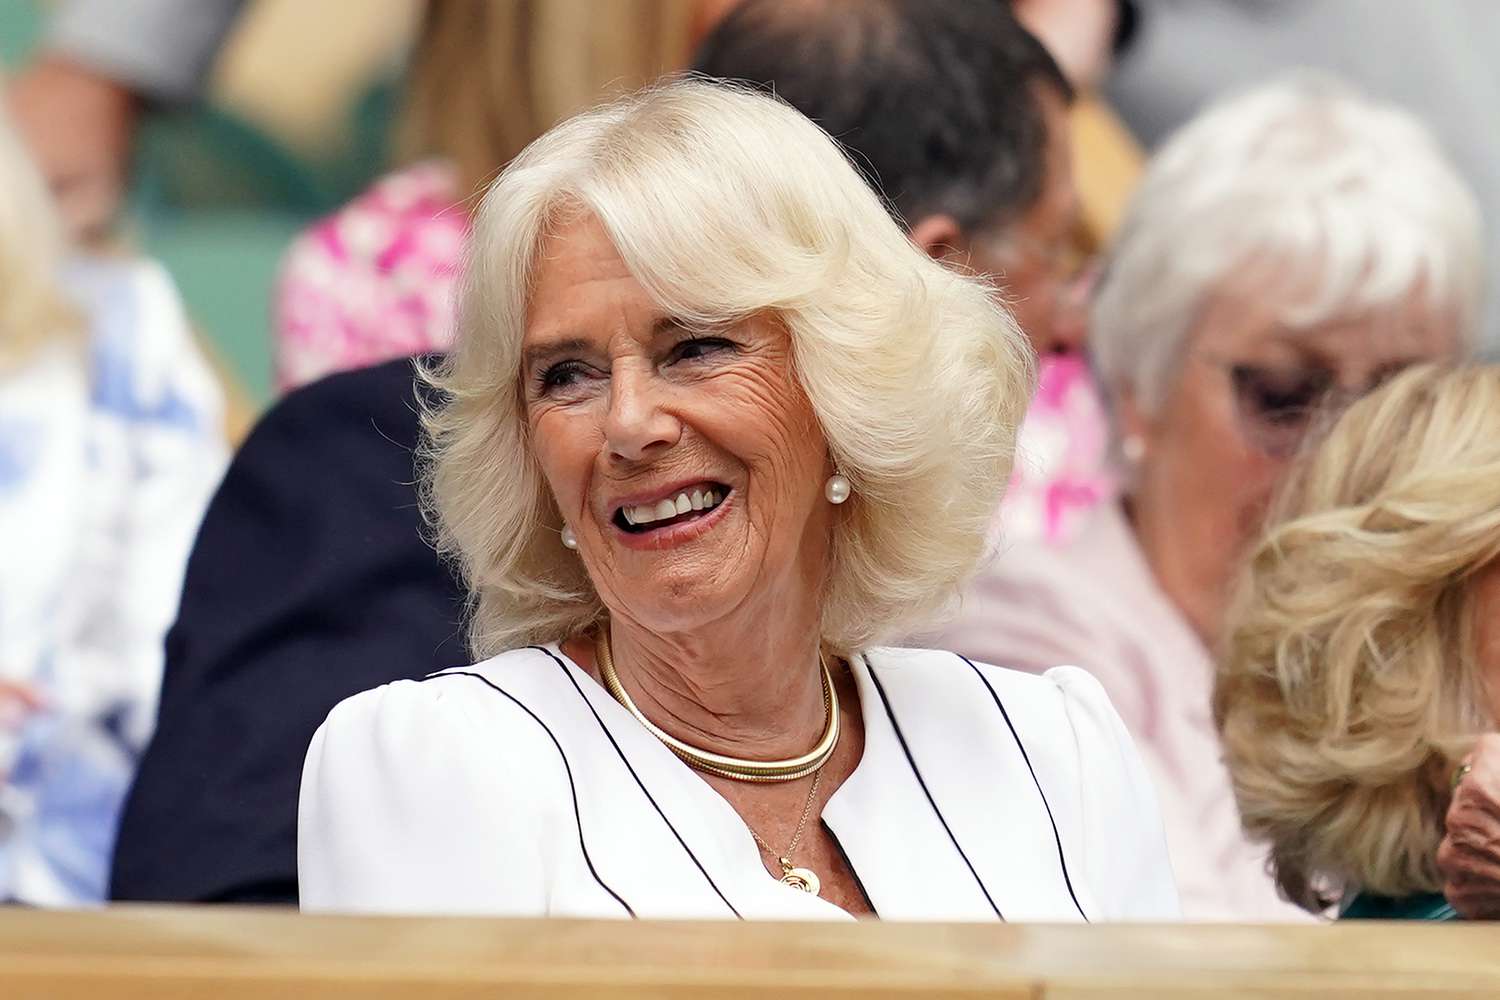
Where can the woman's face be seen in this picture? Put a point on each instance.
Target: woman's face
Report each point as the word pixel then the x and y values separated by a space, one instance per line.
pixel 689 464
pixel 1243 395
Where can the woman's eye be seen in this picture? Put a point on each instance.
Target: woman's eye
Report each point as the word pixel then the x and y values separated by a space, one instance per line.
pixel 1279 398
pixel 559 376
pixel 698 347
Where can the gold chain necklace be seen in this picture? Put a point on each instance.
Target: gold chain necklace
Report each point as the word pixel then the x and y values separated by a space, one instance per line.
pixel 723 765
pixel 797 878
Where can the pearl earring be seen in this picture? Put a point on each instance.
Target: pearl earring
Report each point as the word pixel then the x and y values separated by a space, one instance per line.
pixel 837 489
pixel 1133 448
pixel 569 540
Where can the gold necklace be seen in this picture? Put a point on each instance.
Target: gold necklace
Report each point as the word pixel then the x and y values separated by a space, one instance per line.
pixel 723 765
pixel 798 878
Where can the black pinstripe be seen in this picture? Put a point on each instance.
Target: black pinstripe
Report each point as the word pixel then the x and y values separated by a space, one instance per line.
pixel 572 788
pixel 1062 859
pixel 639 783
pixel 901 738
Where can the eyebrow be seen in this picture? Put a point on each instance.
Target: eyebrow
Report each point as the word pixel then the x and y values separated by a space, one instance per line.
pixel 534 355
pixel 669 324
pixel 537 354
pixel 1311 359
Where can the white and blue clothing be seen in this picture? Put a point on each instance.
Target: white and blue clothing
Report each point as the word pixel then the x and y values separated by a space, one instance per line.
pixel 111 444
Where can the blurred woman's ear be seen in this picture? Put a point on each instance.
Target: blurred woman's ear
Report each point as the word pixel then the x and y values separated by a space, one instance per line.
pixel 938 236
pixel 1131 422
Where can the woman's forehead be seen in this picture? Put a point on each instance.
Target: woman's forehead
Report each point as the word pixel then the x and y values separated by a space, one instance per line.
pixel 1273 310
pixel 573 249
pixel 577 280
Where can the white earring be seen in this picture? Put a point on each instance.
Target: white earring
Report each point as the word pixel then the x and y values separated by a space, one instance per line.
pixel 569 540
pixel 837 489
pixel 1133 448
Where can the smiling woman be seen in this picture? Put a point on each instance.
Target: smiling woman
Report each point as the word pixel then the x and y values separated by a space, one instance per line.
pixel 712 430
pixel 702 231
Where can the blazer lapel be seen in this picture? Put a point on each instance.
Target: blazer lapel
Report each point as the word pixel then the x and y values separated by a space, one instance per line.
pixel 894 828
pixel 951 819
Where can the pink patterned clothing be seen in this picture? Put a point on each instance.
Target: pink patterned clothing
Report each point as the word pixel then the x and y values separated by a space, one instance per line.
pixel 1062 457
pixel 375 280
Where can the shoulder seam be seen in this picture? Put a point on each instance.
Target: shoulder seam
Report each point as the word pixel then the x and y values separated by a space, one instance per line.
pixel 567 768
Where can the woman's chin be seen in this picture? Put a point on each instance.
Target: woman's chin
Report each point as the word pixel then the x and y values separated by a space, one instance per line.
pixel 680 587
pixel 678 600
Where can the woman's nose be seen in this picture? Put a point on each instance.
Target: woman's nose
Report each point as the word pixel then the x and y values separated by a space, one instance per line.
pixel 637 426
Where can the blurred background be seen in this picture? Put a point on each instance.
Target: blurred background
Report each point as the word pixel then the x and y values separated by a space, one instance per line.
pixel 295 122
pixel 305 187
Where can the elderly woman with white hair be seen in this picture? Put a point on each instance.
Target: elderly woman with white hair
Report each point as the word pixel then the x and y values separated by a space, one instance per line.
pixel 1292 247
pixel 712 430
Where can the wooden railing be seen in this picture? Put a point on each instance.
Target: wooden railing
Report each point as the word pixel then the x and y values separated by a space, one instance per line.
pixel 226 954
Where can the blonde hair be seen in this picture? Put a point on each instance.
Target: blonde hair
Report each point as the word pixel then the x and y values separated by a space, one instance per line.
pixel 1348 687
pixel 32 308
pixel 725 203
pixel 1354 193
pixel 488 77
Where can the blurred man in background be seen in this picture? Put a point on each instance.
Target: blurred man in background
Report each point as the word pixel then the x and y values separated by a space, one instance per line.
pixel 953 111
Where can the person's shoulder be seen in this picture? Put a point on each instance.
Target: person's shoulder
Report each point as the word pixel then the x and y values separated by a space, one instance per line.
pixel 381 221
pixel 424 189
pixel 131 306
pixel 941 666
pixel 1071 693
pixel 368 389
pixel 1083 570
pixel 1035 604
pixel 1061 698
pixel 412 790
pixel 379 404
pixel 936 664
pixel 525 677
pixel 145 365
pixel 486 702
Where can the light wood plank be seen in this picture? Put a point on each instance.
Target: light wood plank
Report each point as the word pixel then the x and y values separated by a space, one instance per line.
pixel 230 953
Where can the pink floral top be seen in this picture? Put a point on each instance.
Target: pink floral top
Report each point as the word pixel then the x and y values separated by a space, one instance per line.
pixel 375 281
pixel 1062 456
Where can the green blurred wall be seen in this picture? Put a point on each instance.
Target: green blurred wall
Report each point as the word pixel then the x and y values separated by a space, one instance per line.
pixel 20 23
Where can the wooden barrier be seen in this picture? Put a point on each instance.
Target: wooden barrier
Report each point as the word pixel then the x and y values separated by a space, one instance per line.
pixel 169 953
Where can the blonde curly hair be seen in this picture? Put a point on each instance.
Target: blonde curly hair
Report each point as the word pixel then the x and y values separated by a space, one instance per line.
pixel 1348 686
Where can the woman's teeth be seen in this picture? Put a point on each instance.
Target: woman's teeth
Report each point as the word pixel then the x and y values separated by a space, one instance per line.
pixel 649 513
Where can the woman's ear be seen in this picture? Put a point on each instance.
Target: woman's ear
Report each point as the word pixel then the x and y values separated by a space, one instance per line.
pixel 1134 427
pixel 938 236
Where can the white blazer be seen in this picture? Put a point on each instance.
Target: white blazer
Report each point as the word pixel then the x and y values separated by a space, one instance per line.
pixel 519 787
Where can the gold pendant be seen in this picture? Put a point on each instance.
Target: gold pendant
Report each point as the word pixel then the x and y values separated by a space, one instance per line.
pixel 799 878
